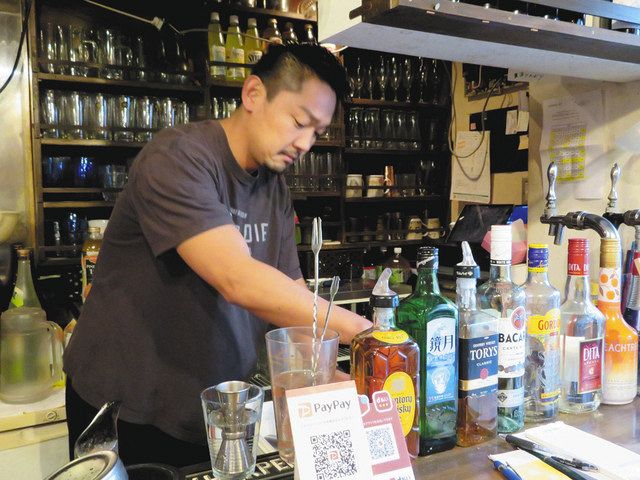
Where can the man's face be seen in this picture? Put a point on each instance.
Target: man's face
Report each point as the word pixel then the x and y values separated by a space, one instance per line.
pixel 286 126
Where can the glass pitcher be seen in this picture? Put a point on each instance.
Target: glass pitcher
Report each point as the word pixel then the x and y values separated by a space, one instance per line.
pixel 30 355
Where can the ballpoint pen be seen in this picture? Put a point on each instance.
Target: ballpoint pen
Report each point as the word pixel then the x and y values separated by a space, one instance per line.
pixel 506 471
pixel 534 447
pixel 568 471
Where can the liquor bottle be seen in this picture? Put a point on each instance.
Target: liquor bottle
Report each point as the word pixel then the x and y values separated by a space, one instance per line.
pixel 432 320
pixel 252 46
pixel 289 36
pixel 90 252
pixel 386 358
pixel 234 51
pixel 581 336
pixel 216 47
pixel 505 300
pixel 272 34
pixel 478 347
pixel 309 38
pixel 24 293
pixel 620 340
pixel 542 343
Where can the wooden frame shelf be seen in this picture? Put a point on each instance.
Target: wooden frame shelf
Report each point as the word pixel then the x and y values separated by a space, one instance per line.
pixel 369 102
pixel 78 204
pixel 371 151
pixel 54 78
pixel 372 244
pixel 64 142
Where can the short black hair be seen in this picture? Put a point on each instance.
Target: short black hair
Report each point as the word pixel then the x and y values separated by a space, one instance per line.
pixel 285 67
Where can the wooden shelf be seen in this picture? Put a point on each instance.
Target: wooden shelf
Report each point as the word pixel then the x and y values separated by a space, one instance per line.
pixel 79 190
pixel 415 198
pixel 78 204
pixel 368 102
pixel 304 195
pixel 371 151
pixel 64 142
pixel 156 86
pixel 225 83
pixel 271 13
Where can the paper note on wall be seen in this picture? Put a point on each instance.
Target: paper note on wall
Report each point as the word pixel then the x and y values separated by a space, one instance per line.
pixel 573 137
pixel 470 171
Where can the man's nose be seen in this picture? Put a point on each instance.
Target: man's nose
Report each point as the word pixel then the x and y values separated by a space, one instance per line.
pixel 305 141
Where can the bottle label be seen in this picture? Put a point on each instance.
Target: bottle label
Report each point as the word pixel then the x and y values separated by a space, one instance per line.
pixel 511 344
pixel 590 369
pixel 253 56
pixel 17 300
pixel 397 275
pixel 217 54
pixel 500 253
pixel 400 387
pixel 89 261
pixel 511 398
pixel 235 55
pixel 616 347
pixel 578 265
pixel 547 324
pixel 395 337
pixel 478 366
pixel 609 287
pixel 441 360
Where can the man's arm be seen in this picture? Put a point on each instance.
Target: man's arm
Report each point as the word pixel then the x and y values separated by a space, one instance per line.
pixel 221 257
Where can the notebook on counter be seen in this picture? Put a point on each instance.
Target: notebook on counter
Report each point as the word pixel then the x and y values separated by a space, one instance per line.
pixel 615 462
pixel 528 466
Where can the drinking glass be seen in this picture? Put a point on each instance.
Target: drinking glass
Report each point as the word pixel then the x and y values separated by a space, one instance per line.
pixel 423 86
pixel 70 104
pixel 96 116
pixel 400 129
pixel 54 171
pixel 413 130
pixel 50 114
pixel 369 127
pixel 84 172
pixel 143 112
pixel 140 62
pixel 358 79
pixel 81 50
pixel 112 54
pixel 407 184
pixel 62 42
pixel 407 78
pixel 296 360
pixel 395 77
pixel 312 163
pixel 388 134
pixel 181 113
pixel 370 78
pixel 122 118
pixel 232 413
pixel 329 169
pixel 355 127
pixel 432 135
pixel 48 48
pixel 382 77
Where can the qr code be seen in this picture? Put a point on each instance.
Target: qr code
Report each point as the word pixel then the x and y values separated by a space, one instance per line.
pixel 382 446
pixel 333 455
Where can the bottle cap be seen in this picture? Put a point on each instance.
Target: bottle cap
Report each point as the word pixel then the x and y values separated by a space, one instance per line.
pixel 578 258
pixel 382 296
pixel 467 268
pixel 252 23
pixel 23 252
pixel 273 22
pixel 215 16
pixel 233 20
pixel 501 244
pixel 501 233
pixel 427 257
pixel 397 250
pixel 308 26
pixel 538 257
pixel 94 229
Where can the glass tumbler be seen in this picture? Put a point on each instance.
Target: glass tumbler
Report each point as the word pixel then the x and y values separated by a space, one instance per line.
pixel 96 116
pixel 72 120
pixel 122 118
pixel 49 114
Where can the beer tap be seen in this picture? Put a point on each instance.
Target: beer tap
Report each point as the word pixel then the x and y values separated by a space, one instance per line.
pixel 630 217
pixel 574 220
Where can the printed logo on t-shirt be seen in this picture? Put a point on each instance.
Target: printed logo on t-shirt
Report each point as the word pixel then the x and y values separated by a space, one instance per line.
pixel 252 232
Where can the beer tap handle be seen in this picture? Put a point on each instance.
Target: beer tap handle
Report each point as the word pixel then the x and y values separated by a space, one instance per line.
pixel 613 193
pixel 552 174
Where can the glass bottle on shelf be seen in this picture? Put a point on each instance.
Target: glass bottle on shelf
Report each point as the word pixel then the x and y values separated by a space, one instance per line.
pixel 478 359
pixel 289 36
pixel 400 267
pixel 432 320
pixel 505 300
pixel 384 357
pixel 89 258
pixel 309 37
pixel 24 292
pixel 216 47
pixel 272 34
pixel 581 337
pixel 620 339
pixel 234 50
pixel 542 365
pixel 252 46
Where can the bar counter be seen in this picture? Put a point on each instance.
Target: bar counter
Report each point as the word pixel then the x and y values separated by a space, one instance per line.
pixel 619 424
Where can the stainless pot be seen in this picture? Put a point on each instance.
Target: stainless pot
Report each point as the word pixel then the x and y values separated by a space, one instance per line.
pixel 95 466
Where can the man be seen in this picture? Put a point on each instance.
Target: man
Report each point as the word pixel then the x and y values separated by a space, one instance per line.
pixel 198 258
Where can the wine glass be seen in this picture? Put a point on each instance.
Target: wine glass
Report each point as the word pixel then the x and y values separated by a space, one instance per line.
pixel 370 80
pixel 381 76
pixel 407 78
pixel 395 76
pixel 358 79
pixel 423 81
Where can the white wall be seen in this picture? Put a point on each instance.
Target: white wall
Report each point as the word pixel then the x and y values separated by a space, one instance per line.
pixel 621 111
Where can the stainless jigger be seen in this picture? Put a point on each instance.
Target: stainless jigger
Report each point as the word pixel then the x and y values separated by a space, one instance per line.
pixel 233 458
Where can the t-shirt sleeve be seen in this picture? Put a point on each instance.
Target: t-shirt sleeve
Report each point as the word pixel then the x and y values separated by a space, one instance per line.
pixel 175 196
pixel 288 261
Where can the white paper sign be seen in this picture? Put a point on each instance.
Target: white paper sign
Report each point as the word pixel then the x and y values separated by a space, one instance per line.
pixel 512 122
pixel 470 172
pixel 328 435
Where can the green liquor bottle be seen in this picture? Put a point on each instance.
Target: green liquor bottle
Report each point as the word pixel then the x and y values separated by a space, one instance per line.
pixel 432 320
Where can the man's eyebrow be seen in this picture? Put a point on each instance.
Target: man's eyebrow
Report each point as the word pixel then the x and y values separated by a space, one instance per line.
pixel 312 116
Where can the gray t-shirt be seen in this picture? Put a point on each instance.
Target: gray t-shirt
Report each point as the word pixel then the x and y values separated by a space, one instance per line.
pixel 152 333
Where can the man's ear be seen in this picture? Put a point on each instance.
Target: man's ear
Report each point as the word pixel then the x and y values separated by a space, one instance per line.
pixel 253 92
